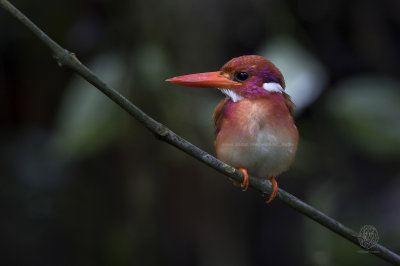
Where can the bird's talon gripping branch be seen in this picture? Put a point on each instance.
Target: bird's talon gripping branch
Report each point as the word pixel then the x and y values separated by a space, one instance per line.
pixel 274 189
pixel 245 183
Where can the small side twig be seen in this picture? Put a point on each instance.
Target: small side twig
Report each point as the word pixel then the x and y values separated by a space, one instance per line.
pixel 66 58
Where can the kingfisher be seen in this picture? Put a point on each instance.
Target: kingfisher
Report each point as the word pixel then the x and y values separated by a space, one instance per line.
pixel 253 126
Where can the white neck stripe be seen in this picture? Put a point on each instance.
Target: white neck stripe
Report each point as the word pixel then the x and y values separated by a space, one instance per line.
pixel 231 94
pixel 272 87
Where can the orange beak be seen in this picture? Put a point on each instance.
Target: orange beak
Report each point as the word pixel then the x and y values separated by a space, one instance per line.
pixel 204 80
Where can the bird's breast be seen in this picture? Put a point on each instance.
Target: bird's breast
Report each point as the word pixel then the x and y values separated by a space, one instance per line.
pixel 257 134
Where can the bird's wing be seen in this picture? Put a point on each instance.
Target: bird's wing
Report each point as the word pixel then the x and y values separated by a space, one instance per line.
pixel 289 103
pixel 218 114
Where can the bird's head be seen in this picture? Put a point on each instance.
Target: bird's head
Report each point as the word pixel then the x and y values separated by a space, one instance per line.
pixel 248 76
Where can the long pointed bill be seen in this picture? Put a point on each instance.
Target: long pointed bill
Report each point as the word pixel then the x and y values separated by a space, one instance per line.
pixel 204 80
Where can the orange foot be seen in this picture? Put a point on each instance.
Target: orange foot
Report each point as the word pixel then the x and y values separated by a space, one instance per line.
pixel 274 189
pixel 245 183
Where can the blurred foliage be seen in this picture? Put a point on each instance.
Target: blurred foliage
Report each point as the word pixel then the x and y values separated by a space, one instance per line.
pixel 88 121
pixel 367 109
pixel 82 183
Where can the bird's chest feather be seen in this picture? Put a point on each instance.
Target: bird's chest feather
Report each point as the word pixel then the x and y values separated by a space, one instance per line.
pixel 258 135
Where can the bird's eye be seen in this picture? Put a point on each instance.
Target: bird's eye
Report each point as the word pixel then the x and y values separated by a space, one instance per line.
pixel 241 76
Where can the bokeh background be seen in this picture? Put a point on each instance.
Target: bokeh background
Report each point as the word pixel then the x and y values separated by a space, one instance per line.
pixel 82 183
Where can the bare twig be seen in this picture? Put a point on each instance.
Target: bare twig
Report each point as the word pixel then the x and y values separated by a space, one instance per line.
pixel 66 58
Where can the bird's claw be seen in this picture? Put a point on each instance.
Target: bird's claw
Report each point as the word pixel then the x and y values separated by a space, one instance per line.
pixel 274 189
pixel 245 183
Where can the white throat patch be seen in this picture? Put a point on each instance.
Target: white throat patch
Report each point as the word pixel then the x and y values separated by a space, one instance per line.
pixel 231 94
pixel 272 87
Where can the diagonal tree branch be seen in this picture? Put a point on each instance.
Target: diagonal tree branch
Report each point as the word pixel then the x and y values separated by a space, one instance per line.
pixel 66 58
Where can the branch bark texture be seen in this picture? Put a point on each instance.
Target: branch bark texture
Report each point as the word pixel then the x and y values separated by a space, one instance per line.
pixel 68 59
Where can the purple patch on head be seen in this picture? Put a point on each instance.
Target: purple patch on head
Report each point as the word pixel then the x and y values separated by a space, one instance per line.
pixel 260 71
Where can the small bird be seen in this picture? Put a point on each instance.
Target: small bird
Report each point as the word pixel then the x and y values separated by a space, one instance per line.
pixel 253 125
